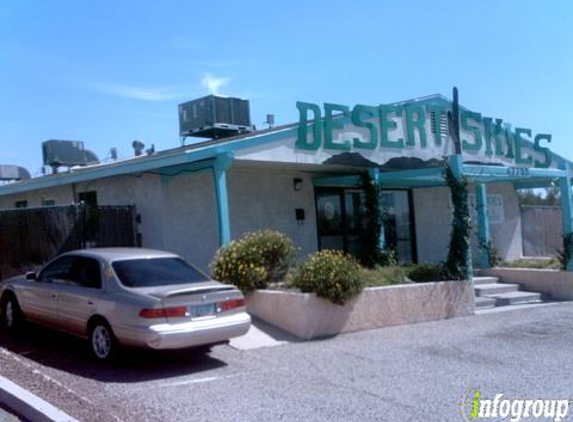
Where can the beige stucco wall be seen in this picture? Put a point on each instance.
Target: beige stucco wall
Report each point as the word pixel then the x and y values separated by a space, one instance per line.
pixel 62 195
pixel 432 213
pixel 261 198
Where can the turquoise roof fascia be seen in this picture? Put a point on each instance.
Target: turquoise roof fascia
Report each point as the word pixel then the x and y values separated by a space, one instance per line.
pixel 143 165
pixel 146 164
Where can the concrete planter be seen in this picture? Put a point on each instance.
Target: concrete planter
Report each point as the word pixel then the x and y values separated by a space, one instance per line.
pixel 555 283
pixel 307 316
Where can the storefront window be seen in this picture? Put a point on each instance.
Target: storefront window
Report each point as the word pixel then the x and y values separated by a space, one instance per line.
pixel 341 221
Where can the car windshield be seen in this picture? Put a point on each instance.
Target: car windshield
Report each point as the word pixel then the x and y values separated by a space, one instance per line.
pixel 156 272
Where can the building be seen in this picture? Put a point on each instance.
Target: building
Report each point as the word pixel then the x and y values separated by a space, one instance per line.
pixel 304 179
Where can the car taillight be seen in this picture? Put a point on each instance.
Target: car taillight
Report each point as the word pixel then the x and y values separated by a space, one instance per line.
pixel 232 304
pixel 179 311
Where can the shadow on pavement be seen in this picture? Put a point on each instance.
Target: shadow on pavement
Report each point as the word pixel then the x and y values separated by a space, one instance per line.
pixel 70 354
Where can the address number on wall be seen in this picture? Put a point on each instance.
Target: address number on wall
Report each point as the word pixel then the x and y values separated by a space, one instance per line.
pixel 517 171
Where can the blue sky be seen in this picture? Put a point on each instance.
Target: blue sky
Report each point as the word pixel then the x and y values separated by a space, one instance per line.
pixel 108 72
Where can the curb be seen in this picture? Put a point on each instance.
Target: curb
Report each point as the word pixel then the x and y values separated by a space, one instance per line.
pixel 28 405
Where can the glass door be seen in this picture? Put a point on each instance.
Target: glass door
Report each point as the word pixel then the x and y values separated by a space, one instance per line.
pixel 340 219
pixel 398 227
pixel 329 219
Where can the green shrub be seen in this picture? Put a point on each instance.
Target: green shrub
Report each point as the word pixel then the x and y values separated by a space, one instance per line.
pixel 553 263
pixel 254 260
pixel 382 276
pixel 331 275
pixel 425 272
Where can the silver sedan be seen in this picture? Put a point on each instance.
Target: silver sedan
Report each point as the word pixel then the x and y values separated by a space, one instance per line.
pixel 126 296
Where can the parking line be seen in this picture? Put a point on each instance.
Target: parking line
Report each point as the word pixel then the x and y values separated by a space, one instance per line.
pixel 198 380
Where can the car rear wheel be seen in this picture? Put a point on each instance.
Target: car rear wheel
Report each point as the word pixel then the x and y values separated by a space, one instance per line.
pixel 11 314
pixel 102 341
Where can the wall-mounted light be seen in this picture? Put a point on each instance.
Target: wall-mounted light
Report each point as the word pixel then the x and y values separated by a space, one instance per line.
pixel 297 183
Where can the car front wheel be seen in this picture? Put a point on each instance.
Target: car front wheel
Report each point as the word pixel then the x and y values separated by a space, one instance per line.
pixel 10 313
pixel 102 341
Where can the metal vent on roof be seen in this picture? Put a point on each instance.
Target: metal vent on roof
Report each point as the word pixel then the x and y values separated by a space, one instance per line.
pixel 58 153
pixel 214 117
pixel 10 173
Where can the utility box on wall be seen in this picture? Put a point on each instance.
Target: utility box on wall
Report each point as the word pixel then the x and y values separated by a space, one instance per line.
pixel 214 117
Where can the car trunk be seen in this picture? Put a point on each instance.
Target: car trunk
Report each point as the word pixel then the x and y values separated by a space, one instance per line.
pixel 201 300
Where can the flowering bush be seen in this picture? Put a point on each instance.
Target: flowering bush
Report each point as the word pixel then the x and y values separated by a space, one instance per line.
pixel 254 260
pixel 330 274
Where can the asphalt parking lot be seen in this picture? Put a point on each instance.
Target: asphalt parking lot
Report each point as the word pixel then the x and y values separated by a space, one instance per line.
pixel 416 372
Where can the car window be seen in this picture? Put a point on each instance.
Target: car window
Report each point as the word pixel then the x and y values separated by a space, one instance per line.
pixel 57 271
pixel 85 272
pixel 73 270
pixel 156 272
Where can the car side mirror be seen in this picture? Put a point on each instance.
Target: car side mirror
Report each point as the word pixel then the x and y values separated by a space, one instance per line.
pixel 31 275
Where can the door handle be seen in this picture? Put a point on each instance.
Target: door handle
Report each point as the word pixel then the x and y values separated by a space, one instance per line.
pixel 90 302
pixel 53 295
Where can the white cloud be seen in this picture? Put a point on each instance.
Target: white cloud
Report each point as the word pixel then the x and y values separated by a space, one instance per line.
pixel 144 93
pixel 214 83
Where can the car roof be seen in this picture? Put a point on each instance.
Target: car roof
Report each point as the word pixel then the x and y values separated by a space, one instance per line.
pixel 119 254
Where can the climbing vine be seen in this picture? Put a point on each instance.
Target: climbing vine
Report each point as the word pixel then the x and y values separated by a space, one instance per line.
pixel 456 264
pixel 493 255
pixel 374 216
pixel 567 252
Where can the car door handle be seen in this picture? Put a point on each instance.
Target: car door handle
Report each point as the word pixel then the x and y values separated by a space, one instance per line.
pixel 53 295
pixel 90 302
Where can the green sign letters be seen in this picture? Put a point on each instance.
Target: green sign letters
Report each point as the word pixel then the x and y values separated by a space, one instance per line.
pixel 493 136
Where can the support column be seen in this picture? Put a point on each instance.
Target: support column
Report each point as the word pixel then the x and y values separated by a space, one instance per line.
pixel 483 224
pixel 374 174
pixel 457 165
pixel 222 163
pixel 566 211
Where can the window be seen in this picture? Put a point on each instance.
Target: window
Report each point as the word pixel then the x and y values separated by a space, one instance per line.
pixel 57 271
pixel 73 270
pixel 85 272
pixel 48 202
pixel 156 272
pixel 21 204
pixel 89 198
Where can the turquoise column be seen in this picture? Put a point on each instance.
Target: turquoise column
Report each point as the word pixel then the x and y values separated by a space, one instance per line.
pixel 483 224
pixel 566 210
pixel 375 175
pixel 457 165
pixel 222 162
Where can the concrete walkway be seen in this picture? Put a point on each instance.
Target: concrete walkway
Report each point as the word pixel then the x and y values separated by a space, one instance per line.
pixel 260 335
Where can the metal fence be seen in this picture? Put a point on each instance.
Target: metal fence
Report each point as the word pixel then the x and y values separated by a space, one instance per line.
pixel 30 237
pixel 542 230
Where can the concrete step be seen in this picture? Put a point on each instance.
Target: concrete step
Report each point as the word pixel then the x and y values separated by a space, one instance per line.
pixel 515 298
pixel 495 288
pixel 478 281
pixel 484 302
